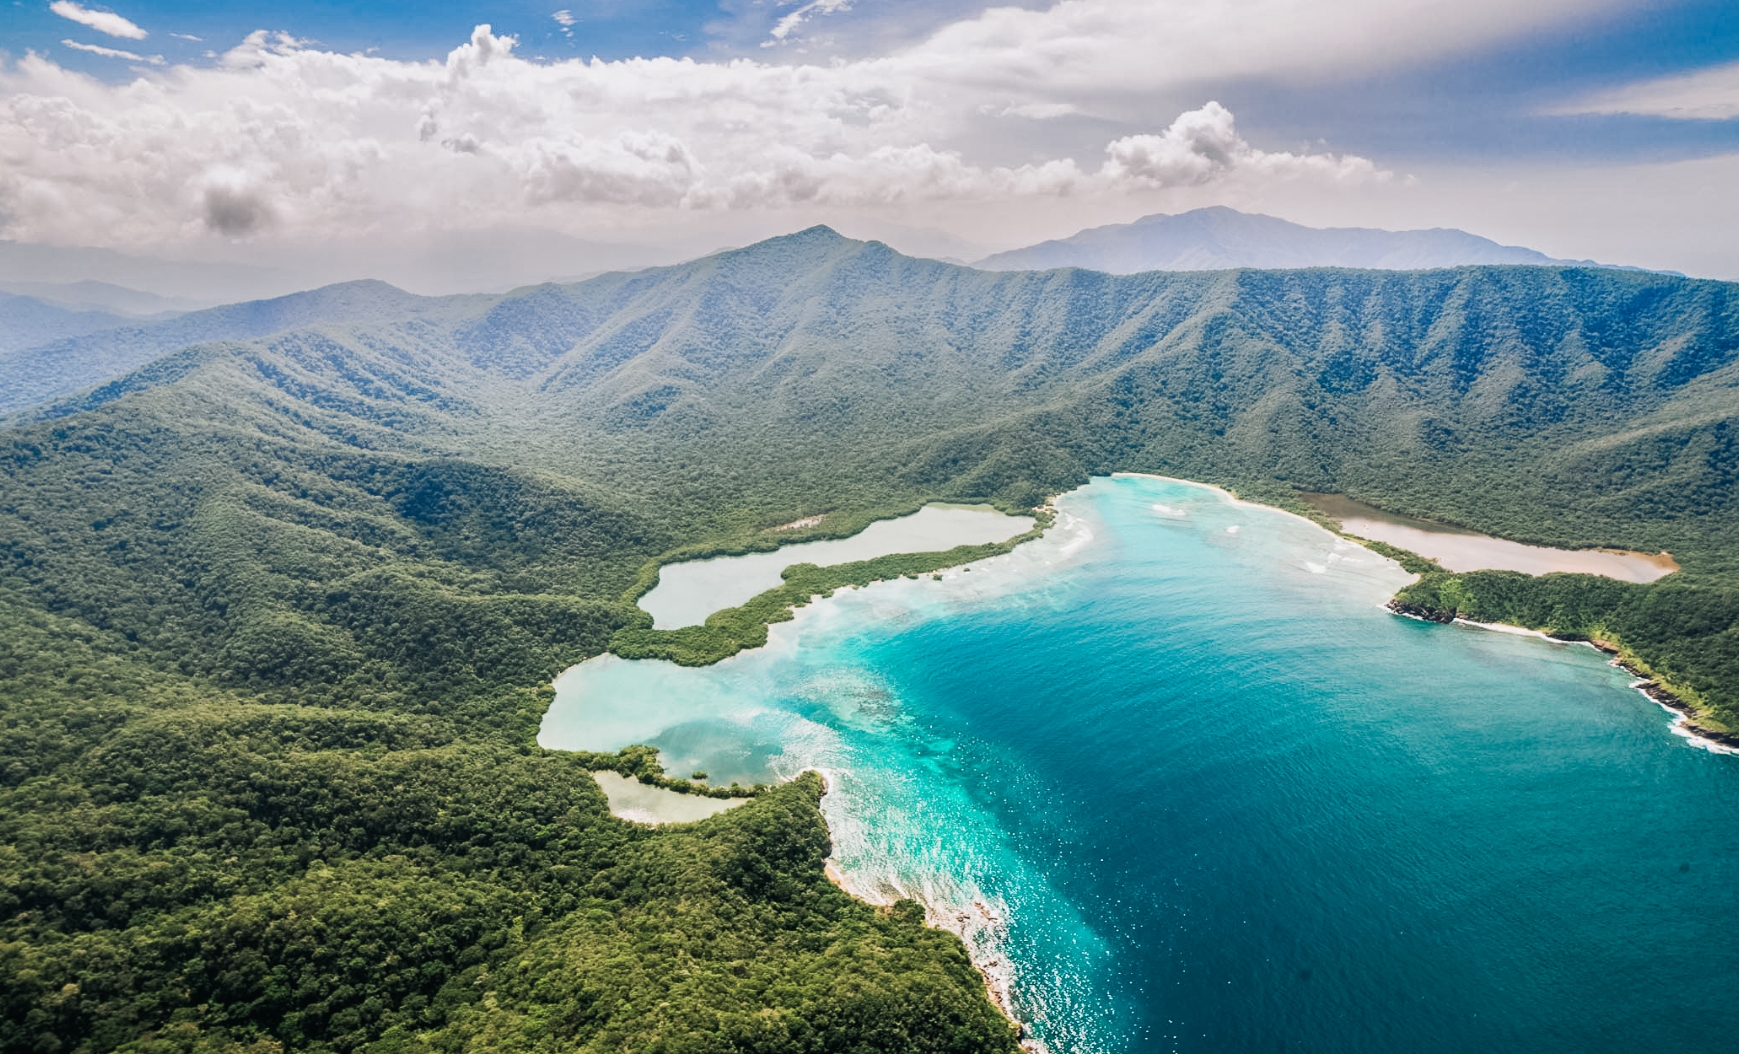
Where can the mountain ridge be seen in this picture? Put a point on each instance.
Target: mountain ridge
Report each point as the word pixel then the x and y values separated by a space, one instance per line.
pixel 37 372
pixel 643 349
pixel 28 321
pixel 1219 238
pixel 279 610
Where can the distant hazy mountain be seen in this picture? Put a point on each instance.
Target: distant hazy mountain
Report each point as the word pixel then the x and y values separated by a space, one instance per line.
pixel 91 295
pixel 44 368
pixel 26 321
pixel 1218 238
pixel 204 282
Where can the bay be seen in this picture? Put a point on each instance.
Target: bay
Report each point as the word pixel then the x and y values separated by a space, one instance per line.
pixel 1175 772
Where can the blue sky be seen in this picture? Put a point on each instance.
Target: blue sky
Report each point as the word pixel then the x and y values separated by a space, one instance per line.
pixel 1485 102
pixel 610 29
pixel 919 117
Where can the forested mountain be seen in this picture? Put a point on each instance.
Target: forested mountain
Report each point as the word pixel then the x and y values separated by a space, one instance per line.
pixel 91 295
pixel 281 608
pixel 1217 238
pixel 26 321
pixel 45 366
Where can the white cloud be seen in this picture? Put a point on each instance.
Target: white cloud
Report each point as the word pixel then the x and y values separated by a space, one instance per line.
pixel 279 139
pixel 112 53
pixel 1711 94
pixel 101 21
pixel 1036 111
pixel 783 28
pixel 1131 47
pixel 1203 146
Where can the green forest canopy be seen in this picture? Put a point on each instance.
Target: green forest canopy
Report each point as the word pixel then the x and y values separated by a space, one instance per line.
pixel 281 609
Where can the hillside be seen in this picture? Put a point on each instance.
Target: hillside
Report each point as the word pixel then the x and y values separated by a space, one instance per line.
pixel 91 295
pixel 1219 238
pixel 48 363
pixel 282 607
pixel 26 321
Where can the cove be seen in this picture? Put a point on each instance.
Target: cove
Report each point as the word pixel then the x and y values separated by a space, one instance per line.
pixel 1174 771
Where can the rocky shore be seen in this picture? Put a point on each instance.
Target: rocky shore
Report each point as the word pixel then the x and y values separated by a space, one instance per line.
pixel 1660 694
pixel 980 930
pixel 1644 683
pixel 1421 612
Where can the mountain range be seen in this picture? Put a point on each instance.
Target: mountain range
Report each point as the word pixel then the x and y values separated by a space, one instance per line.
pixel 46 348
pixel 281 602
pixel 91 295
pixel 1218 238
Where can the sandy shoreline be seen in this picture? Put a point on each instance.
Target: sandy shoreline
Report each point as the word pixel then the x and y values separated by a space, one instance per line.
pixel 1223 492
pixel 1685 725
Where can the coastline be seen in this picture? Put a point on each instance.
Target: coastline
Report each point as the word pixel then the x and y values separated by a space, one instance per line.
pixel 997 975
pixel 979 928
pixel 1684 713
pixel 765 540
pixel 1685 722
pixel 1229 496
pixel 977 924
pixel 744 627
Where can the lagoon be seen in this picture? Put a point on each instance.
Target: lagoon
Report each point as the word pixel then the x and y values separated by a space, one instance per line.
pixel 1462 550
pixel 641 803
pixel 1176 771
pixel 688 592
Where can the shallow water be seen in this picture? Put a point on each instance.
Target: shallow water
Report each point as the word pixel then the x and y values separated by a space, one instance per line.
pixel 1461 550
pixel 688 592
pixel 636 801
pixel 1215 798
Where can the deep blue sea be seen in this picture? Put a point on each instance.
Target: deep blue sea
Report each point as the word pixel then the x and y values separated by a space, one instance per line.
pixel 1179 776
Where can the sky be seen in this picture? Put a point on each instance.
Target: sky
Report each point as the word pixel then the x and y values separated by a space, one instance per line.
pixel 450 146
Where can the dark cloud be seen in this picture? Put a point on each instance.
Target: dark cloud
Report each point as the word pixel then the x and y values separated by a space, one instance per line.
pixel 235 212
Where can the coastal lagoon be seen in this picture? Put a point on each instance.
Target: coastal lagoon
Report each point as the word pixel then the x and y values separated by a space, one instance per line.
pixel 642 803
pixel 1463 550
pixel 688 592
pixel 1183 784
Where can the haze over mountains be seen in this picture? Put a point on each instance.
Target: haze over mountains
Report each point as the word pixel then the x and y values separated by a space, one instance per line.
pixel 111 345
pixel 75 294
pixel 88 294
pixel 47 348
pixel 1218 238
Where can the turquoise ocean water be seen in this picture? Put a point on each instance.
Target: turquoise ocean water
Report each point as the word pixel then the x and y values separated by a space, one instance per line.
pixel 1179 776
